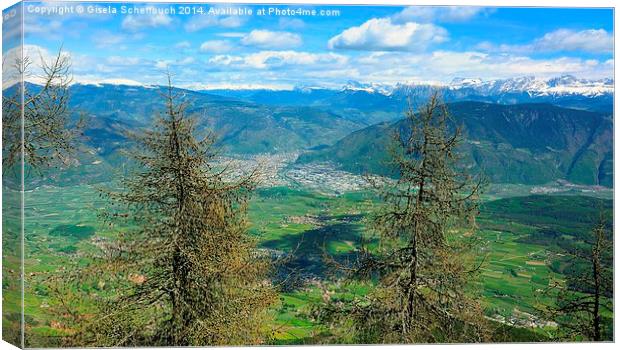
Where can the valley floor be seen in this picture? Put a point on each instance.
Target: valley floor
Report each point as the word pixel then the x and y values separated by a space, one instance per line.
pixel 307 211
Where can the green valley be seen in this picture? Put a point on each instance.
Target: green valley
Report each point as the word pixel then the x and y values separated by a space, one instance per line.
pixel 517 266
pixel 547 170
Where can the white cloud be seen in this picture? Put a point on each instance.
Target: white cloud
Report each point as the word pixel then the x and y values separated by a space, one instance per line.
pixel 589 40
pixel 183 45
pixel 197 23
pixel 231 35
pixel 394 67
pixel 266 39
pixel 232 22
pixel 226 85
pixel 216 46
pixel 226 60
pixel 162 64
pixel 426 14
pixel 443 66
pixel 381 34
pixel 153 19
pixel 46 28
pixel 166 64
pixel 272 68
pixel 123 61
pixel 275 59
pixel 186 61
pixel 291 23
pixel 12 29
pixel 37 56
pixel 105 39
pixel 266 59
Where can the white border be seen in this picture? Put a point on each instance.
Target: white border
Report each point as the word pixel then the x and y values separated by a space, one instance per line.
pixel 491 3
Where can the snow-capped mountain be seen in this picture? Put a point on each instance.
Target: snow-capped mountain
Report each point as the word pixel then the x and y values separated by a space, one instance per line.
pixel 532 86
pixel 465 82
pixel 563 85
pixel 352 85
pixel 566 90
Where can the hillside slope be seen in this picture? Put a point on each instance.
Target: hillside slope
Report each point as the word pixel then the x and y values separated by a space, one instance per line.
pixel 525 143
pixel 242 127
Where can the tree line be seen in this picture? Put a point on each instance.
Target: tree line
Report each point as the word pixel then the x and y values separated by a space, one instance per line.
pixel 184 269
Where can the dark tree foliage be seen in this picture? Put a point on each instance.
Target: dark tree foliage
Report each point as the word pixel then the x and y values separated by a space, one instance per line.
pixel 47 135
pixel 582 302
pixel 186 272
pixel 425 260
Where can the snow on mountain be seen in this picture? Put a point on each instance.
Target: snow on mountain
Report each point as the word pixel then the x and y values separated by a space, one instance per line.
pixel 563 85
pixel 570 85
pixel 119 81
pixel 465 82
pixel 566 85
pixel 368 87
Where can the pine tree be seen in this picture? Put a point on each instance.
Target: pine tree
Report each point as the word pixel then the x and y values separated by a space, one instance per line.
pixel 587 293
pixel 425 262
pixel 186 272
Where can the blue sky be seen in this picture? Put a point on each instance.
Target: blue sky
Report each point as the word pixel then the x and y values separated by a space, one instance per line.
pixel 384 45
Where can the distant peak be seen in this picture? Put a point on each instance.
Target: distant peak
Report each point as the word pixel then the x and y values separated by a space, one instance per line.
pixel 465 81
pixel 111 81
pixel 534 86
pixel 352 85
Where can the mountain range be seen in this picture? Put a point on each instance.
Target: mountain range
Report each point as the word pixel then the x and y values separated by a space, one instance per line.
pixel 522 143
pixel 243 127
pixel 513 139
pixel 380 100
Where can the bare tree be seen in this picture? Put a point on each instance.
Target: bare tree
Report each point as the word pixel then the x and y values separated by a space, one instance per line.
pixel 46 120
pixel 36 129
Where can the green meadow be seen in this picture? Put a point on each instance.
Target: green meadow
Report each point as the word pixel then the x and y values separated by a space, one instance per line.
pixel 63 227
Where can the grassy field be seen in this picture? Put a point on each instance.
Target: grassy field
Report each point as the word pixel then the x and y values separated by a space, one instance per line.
pixel 63 223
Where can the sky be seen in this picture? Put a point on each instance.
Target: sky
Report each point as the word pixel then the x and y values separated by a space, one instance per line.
pixel 211 46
